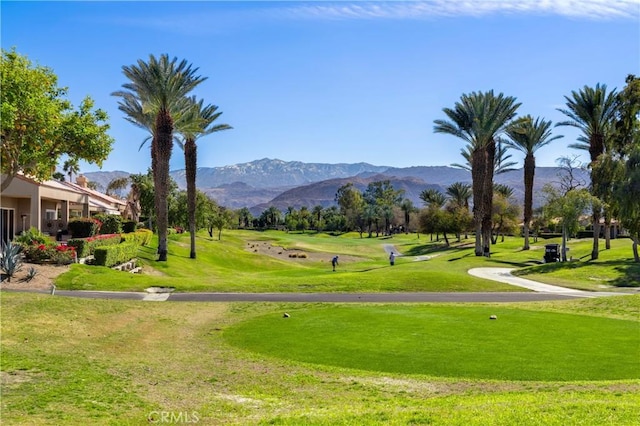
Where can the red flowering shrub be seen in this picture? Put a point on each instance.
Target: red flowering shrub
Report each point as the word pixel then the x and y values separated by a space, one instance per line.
pixel 60 254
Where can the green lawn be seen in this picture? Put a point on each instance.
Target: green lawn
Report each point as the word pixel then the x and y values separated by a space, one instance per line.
pixel 613 270
pixel 230 265
pixel 450 341
pixel 69 361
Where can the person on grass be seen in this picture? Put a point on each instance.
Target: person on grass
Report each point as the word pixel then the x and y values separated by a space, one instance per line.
pixel 334 262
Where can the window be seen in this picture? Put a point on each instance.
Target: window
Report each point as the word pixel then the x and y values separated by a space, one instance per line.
pixel 7 225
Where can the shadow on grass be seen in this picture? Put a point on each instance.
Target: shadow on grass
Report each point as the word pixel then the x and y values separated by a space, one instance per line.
pixel 435 248
pixel 630 275
pixel 521 264
pixel 629 270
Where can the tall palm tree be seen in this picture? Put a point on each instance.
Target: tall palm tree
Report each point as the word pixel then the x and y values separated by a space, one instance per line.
pixel 71 167
pixel 160 87
pixel 197 122
pixel 478 119
pixel 593 111
pixel 528 135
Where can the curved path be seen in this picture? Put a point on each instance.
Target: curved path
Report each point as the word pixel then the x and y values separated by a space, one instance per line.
pixel 540 292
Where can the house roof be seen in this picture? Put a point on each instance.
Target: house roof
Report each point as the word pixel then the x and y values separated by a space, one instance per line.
pixel 96 195
pixel 93 202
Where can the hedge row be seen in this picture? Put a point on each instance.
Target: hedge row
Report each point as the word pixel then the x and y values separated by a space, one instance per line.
pixel 83 227
pixel 115 255
pixel 86 246
pixel 141 237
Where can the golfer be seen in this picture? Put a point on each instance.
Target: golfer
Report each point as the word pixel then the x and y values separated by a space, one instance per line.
pixel 334 262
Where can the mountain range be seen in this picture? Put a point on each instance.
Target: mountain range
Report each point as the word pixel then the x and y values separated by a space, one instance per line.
pixel 263 183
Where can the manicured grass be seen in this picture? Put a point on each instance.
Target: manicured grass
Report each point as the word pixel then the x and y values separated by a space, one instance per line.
pixel 450 341
pixel 69 361
pixel 613 270
pixel 227 266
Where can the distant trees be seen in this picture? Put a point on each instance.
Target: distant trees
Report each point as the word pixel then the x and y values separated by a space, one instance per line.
pixel 382 197
pixel 446 213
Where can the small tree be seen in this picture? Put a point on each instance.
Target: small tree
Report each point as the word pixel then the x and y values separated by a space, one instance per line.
pixel 568 208
pixel 219 219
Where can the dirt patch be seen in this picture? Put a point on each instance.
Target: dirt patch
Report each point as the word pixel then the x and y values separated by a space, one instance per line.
pixel 294 255
pixel 15 378
pixel 43 279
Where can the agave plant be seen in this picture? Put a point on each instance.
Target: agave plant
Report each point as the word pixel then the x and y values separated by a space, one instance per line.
pixel 31 274
pixel 10 259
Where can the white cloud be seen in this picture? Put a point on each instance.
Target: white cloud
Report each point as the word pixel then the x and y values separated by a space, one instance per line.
pixel 589 9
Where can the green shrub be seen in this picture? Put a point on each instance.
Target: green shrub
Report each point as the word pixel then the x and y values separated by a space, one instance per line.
pixel 32 236
pixel 141 237
pixel 86 246
pixel 84 227
pixel 145 236
pixel 114 255
pixel 111 224
pixel 129 226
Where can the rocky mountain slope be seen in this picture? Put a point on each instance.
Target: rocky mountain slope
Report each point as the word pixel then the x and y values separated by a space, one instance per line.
pixel 266 182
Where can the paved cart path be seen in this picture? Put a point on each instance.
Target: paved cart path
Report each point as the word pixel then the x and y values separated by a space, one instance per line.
pixel 540 292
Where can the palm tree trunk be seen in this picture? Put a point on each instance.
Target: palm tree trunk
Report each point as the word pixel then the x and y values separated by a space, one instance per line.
pixel 164 128
pixel 478 165
pixel 191 159
pixel 529 173
pixel 607 229
pixel 487 198
pixel 636 257
pixel 596 236
pixel 564 243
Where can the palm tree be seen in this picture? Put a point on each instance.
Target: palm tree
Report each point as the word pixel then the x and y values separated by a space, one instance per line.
pixel 528 135
pixel 593 111
pixel 478 119
pixel 160 87
pixel 117 184
pixel 197 122
pixel 459 194
pixel 501 163
pixel 317 216
pixel 433 197
pixel 407 208
pixel 71 167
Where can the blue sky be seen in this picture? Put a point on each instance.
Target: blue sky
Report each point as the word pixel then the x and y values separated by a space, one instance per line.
pixel 334 82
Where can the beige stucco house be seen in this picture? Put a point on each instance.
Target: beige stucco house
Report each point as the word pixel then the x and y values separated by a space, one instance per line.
pixel 49 205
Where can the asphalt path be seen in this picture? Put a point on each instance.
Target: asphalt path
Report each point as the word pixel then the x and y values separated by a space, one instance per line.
pixel 538 292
